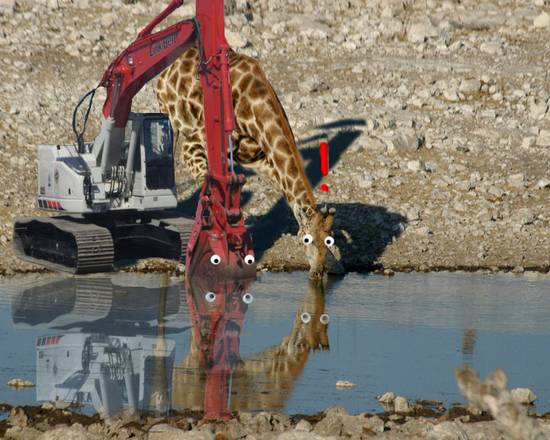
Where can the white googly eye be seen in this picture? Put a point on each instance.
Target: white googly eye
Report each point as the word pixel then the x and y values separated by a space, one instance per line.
pixel 210 297
pixel 215 259
pixel 305 317
pixel 249 259
pixel 329 241
pixel 308 239
pixel 324 318
pixel 248 298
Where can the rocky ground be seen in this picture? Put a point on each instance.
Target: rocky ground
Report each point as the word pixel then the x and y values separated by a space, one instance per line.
pixel 47 423
pixel 436 111
pixel 493 413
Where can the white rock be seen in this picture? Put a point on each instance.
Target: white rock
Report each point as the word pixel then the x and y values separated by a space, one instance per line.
pixel 516 180
pixel 420 32
pixel 366 181
pixel 387 397
pixel 235 40
pixel 20 383
pixel 492 48
pixel 523 395
pixel 107 20
pixel 303 425
pixel 451 95
pixel 469 86
pixel 496 191
pixel 542 20
pixel 543 183
pixel 448 431
pixel 543 139
pixel 298 435
pixel 528 142
pixel 525 216
pixel 401 405
pixel 7 4
pixel 413 214
pixel 405 140
pixel 538 109
pixel 344 384
pixel 415 165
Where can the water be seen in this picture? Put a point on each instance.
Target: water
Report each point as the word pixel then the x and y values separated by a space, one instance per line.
pixel 127 341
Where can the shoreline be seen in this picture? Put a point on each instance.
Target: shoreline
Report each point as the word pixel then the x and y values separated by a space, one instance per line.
pixel 426 419
pixel 167 266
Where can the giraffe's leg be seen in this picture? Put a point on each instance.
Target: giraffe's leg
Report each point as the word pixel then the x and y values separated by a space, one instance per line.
pixel 191 153
pixel 250 155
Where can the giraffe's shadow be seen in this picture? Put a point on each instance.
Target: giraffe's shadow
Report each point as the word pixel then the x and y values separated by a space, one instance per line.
pixel 362 231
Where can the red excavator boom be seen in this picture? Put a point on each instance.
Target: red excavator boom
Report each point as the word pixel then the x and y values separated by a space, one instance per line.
pixel 219 237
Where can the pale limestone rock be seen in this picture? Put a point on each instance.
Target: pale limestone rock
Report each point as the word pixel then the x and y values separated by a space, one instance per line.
pixel 523 395
pixel 542 20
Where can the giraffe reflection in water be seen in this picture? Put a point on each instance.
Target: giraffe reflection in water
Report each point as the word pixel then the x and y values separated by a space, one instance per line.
pixel 213 376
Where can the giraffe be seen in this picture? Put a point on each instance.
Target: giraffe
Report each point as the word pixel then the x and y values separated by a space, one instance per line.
pixel 263 141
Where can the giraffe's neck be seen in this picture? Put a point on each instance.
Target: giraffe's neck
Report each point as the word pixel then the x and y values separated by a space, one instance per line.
pixel 287 166
pixel 296 185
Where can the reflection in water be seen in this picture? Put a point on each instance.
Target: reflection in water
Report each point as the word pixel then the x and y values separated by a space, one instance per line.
pixel 109 349
pixel 469 338
pixel 214 376
pixel 108 345
pixel 217 308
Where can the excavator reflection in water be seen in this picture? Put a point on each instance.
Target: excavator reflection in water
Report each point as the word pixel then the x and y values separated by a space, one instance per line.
pixel 112 345
pixel 109 347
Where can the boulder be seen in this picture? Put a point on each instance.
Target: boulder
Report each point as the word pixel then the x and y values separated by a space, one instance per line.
pixel 542 20
pixel 332 423
pixel 401 405
pixel 523 395
pixel 421 31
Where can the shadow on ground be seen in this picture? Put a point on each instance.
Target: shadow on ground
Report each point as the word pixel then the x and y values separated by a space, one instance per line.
pixel 362 232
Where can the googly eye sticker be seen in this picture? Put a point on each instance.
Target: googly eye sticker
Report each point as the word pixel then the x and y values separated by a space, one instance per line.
pixel 307 239
pixel 215 259
pixel 329 241
pixel 249 259
pixel 210 297
pixel 305 317
pixel 248 298
pixel 324 318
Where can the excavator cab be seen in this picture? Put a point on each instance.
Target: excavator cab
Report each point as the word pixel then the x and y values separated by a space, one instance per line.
pixel 159 157
pixel 148 153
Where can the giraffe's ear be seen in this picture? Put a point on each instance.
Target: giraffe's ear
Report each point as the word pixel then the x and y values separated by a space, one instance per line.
pixel 328 222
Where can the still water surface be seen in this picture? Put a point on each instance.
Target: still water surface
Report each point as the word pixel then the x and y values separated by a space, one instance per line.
pixel 143 342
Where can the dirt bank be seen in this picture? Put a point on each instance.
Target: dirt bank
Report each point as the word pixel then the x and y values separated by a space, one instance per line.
pixel 436 111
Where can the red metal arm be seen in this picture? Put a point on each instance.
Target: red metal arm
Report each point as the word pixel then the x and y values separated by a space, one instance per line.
pixel 145 58
pixel 219 226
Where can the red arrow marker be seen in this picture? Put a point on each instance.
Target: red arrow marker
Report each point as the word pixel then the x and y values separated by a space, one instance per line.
pixel 323 152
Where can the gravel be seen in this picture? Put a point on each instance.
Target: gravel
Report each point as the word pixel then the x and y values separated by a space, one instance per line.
pixel 415 98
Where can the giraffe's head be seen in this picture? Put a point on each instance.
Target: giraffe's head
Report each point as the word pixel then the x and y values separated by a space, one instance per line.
pixel 316 236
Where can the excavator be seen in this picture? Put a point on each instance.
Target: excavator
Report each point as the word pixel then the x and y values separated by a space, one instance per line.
pixel 115 197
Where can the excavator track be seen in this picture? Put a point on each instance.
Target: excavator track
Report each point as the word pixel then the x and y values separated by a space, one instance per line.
pixel 183 226
pixel 78 245
pixel 68 244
